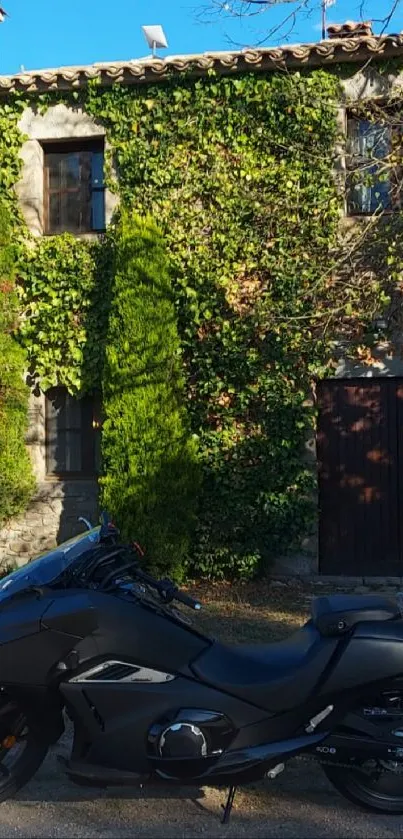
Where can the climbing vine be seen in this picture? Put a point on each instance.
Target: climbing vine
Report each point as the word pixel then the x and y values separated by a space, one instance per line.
pixel 222 164
pixel 16 478
pixel 238 172
pixel 64 292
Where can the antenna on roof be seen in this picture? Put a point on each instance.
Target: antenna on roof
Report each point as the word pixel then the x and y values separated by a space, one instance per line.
pixel 325 5
pixel 155 37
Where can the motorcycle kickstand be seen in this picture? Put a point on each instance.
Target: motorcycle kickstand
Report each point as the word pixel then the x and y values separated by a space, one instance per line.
pixel 227 807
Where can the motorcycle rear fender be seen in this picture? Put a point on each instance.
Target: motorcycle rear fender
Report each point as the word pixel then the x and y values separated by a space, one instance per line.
pixel 373 653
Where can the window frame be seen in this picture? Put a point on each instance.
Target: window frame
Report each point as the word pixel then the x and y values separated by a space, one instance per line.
pixel 395 171
pixel 89 432
pixel 74 146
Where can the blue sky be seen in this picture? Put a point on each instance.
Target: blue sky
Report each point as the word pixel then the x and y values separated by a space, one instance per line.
pixel 49 33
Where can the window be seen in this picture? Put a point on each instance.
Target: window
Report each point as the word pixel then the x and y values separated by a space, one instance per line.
pixel 74 187
pixel 72 434
pixel 374 173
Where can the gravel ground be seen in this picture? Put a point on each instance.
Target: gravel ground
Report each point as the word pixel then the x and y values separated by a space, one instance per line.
pixel 300 803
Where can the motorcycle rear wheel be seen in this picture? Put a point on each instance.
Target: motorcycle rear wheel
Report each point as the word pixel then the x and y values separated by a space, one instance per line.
pixel 380 793
pixel 22 751
pixel 375 785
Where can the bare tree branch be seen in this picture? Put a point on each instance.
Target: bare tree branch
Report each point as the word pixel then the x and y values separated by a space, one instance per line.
pixel 289 20
pixel 251 9
pixel 388 19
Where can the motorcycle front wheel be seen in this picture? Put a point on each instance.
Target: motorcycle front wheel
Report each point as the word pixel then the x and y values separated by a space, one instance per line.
pixel 373 784
pixel 22 751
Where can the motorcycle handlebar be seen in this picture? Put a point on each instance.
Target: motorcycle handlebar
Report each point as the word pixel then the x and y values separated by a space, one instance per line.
pixel 187 600
pixel 168 591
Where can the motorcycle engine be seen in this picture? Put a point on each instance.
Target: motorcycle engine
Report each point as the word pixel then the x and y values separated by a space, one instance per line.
pixel 180 744
pixel 183 739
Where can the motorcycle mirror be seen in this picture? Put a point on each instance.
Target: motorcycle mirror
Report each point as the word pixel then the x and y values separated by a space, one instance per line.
pixel 108 529
pixel 86 522
pixel 104 518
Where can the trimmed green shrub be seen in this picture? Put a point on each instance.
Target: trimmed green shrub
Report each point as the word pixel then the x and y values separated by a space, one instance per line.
pixel 150 464
pixel 16 478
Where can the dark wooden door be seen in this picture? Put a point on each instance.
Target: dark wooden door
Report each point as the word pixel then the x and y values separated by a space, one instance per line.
pixel 360 457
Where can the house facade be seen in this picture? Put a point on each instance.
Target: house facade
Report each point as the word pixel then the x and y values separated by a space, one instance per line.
pixel 63 188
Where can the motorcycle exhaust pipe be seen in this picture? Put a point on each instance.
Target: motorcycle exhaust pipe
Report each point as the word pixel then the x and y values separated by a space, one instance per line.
pixel 239 761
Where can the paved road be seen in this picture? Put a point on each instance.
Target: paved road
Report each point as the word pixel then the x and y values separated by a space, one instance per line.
pixel 300 804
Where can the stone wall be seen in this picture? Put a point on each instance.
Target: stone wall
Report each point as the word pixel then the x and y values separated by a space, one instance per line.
pixel 51 518
pixel 52 515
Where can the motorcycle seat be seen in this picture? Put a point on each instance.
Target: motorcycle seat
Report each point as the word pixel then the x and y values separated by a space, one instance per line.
pixel 337 614
pixel 276 677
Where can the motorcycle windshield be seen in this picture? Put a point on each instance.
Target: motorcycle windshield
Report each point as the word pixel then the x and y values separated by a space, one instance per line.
pixel 47 567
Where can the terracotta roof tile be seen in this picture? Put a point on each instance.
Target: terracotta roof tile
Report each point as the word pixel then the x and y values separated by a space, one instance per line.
pixel 332 51
pixel 350 29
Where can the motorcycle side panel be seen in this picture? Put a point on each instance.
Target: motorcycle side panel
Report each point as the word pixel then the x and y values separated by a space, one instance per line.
pixel 126 630
pixel 118 716
pixel 26 652
pixel 37 632
pixel 374 653
pixel 29 661
pixel 72 612
pixel 20 617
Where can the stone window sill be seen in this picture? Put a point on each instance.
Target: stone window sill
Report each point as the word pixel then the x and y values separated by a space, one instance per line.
pixel 63 479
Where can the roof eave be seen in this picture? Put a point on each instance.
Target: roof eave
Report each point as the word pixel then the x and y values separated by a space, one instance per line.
pixel 146 71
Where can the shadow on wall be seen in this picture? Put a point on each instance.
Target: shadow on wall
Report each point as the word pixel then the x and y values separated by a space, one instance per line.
pixel 253 511
pixel 80 495
pixel 371 266
pixel 248 506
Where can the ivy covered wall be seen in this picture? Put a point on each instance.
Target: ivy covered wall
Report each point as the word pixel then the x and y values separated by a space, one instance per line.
pixel 238 173
pixel 16 476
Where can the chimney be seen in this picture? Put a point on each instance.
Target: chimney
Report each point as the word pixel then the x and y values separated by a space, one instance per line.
pixel 350 30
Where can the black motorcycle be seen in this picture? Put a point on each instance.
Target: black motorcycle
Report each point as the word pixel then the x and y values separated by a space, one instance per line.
pixel 85 630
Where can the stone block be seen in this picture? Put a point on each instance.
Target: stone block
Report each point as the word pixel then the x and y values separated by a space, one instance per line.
pixel 33 518
pixel 30 187
pixel 389 581
pixel 59 123
pixel 46 544
pixel 367 83
pixel 18 547
pixel 340 580
pixel 297 565
pixel 50 519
